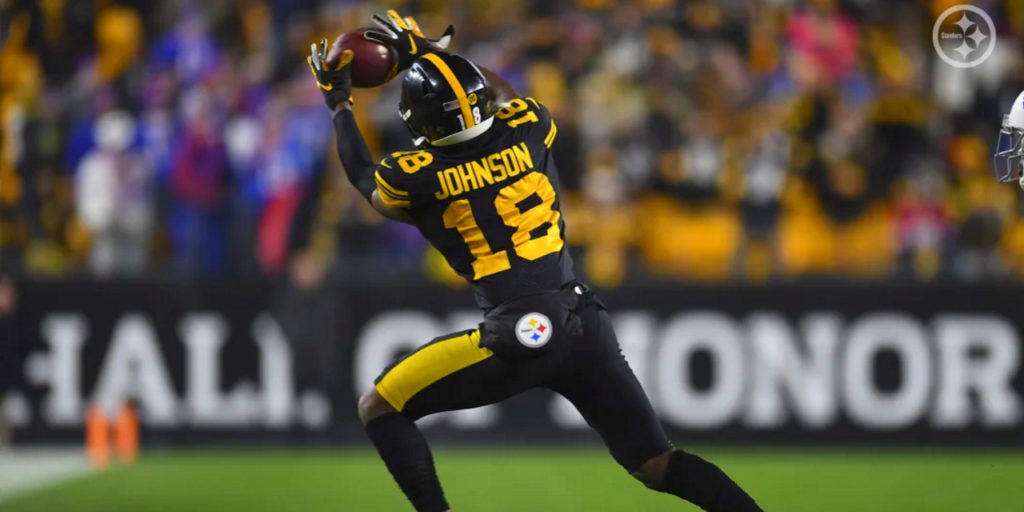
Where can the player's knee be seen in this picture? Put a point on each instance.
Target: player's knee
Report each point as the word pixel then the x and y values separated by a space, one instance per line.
pixel 372 405
pixel 652 472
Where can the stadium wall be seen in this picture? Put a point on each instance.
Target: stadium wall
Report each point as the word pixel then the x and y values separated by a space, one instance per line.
pixel 789 364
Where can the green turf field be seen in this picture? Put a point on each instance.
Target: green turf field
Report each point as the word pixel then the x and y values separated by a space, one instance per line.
pixel 531 479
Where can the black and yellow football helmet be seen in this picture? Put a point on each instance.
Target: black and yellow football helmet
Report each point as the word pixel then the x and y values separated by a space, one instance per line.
pixel 445 100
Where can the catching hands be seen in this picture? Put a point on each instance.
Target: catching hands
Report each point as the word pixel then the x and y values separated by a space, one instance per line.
pixel 334 81
pixel 404 35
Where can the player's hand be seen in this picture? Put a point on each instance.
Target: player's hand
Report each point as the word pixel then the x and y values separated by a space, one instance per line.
pixel 404 35
pixel 335 82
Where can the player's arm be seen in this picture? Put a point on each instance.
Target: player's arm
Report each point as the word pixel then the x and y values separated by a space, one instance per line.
pixel 502 90
pixel 396 214
pixel 358 163
pixel 335 82
pixel 528 113
pixel 514 106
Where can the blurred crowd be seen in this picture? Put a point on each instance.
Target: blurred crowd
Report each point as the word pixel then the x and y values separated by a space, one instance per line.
pixel 702 140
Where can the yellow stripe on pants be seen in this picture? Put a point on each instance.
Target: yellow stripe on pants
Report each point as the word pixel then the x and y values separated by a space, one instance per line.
pixel 430 364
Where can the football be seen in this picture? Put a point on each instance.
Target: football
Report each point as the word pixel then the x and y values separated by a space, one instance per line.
pixel 372 63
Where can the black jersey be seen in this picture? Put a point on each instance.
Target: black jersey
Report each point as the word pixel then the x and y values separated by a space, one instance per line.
pixel 490 204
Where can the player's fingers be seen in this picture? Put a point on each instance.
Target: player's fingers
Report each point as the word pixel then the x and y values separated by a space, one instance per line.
pixel 309 60
pixel 385 26
pixel 446 38
pixel 346 58
pixel 399 22
pixel 323 50
pixel 413 26
pixel 378 37
pixel 313 59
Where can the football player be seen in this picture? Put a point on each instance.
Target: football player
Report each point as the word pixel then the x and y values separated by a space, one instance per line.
pixel 1009 157
pixel 483 189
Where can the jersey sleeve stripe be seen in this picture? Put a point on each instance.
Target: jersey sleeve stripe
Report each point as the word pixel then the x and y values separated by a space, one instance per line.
pixel 387 187
pixel 384 192
pixel 460 93
pixel 391 201
pixel 388 195
pixel 550 139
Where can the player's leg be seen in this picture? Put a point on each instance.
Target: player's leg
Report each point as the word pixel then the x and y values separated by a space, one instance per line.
pixel 451 372
pixel 404 451
pixel 695 480
pixel 606 392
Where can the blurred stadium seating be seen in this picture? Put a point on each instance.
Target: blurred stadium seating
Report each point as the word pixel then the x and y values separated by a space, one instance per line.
pixel 182 138
pixel 788 205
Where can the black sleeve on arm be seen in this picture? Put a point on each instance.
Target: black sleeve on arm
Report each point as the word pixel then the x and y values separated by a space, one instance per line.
pixel 502 90
pixel 355 156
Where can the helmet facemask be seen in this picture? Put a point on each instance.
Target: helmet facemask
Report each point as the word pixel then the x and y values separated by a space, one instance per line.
pixel 1009 155
pixel 419 140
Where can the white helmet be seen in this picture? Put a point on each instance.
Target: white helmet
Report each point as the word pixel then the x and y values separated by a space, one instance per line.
pixel 1009 157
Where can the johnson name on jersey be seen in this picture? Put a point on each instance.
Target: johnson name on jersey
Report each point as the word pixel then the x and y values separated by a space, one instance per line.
pixel 489 204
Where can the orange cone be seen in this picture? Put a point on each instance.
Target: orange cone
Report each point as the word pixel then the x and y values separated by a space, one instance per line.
pixel 126 434
pixel 97 438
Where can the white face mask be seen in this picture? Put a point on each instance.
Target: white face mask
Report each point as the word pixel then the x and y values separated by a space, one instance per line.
pixel 1009 152
pixel 1008 162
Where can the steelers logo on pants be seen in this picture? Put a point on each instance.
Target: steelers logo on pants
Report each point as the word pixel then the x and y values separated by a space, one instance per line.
pixel 533 330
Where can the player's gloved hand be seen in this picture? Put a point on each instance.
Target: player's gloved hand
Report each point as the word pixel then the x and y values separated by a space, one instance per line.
pixel 405 37
pixel 334 81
